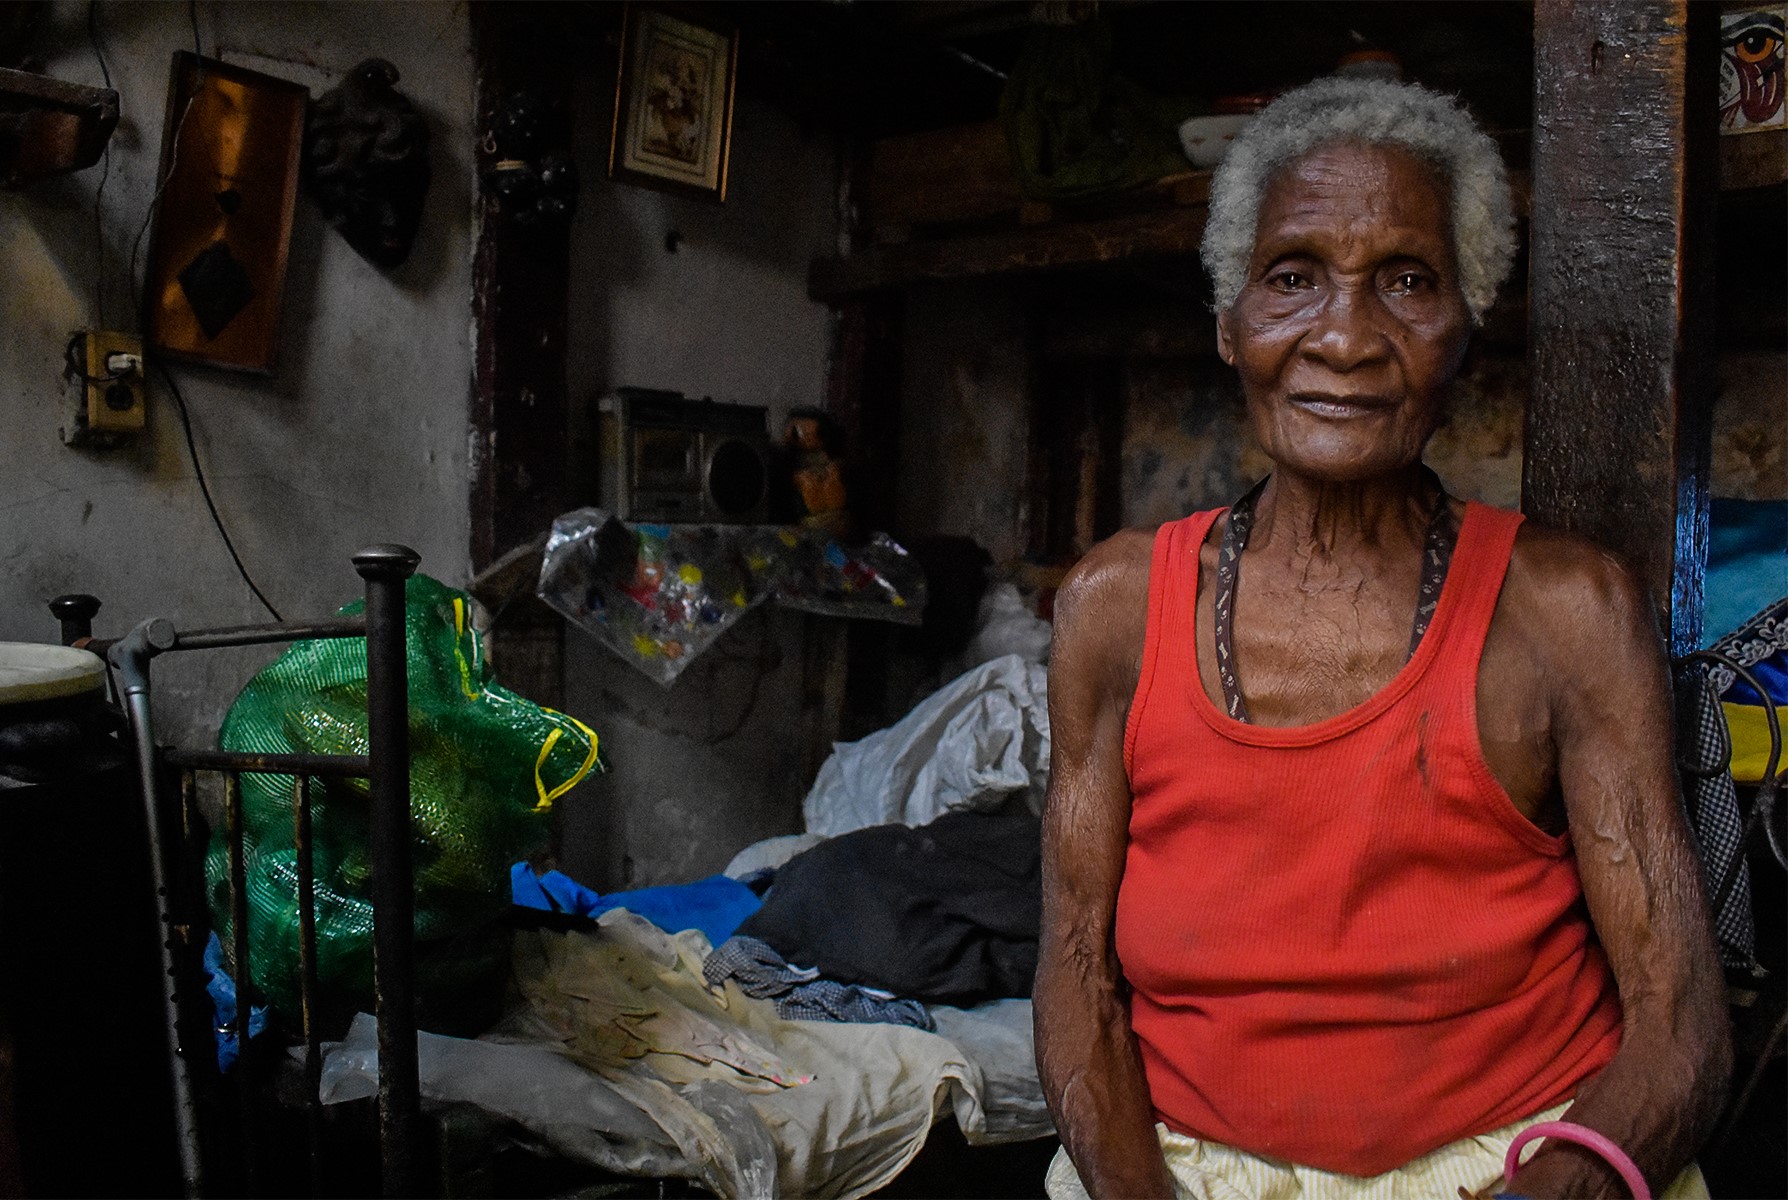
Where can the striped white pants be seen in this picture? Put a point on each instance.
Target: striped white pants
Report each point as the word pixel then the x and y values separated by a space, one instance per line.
pixel 1209 1171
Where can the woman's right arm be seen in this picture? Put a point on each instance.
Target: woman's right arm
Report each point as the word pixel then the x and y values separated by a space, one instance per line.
pixel 1087 1056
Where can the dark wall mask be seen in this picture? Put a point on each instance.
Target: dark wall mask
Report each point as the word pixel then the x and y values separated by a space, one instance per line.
pixel 366 162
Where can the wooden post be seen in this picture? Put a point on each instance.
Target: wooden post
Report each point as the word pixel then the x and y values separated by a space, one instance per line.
pixel 520 289
pixel 863 395
pixel 1620 335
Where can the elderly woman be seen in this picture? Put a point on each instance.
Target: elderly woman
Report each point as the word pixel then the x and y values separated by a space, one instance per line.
pixel 1363 849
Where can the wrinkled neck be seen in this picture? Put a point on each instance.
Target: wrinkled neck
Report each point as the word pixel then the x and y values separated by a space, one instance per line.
pixel 1327 519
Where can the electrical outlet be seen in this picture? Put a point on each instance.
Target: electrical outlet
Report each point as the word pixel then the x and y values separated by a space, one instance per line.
pixel 106 373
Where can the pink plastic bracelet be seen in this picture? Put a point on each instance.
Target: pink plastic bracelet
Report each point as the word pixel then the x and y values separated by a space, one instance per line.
pixel 1565 1131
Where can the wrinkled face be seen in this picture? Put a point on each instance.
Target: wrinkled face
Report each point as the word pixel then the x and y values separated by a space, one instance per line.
pixel 1352 324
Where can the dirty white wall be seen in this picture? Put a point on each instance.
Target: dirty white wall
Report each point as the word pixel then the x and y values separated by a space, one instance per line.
pixel 360 434
pixel 713 763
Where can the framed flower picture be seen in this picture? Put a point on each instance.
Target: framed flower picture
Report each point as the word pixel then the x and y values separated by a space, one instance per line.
pixel 674 102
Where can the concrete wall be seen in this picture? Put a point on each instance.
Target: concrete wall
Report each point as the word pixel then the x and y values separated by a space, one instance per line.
pixel 360 434
pixel 713 763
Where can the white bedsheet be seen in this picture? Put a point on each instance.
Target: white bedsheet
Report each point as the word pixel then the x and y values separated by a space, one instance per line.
pixel 627 1060
pixel 968 745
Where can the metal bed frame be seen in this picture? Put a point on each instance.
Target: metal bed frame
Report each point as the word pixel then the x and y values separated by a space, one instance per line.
pixel 387 768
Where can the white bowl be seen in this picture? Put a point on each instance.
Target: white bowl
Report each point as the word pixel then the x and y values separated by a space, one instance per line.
pixel 1206 139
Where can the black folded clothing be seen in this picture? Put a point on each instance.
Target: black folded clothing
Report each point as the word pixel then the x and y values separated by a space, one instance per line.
pixel 945 913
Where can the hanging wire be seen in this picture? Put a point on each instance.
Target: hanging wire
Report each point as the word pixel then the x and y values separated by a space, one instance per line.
pixel 192 449
pixel 105 173
pixel 192 11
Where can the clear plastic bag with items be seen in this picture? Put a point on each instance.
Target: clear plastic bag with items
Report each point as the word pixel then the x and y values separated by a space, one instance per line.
pixel 660 595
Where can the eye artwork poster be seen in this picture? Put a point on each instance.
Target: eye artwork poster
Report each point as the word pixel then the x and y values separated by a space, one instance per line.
pixel 1751 69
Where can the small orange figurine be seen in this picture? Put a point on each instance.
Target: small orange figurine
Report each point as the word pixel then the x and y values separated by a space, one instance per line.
pixel 812 442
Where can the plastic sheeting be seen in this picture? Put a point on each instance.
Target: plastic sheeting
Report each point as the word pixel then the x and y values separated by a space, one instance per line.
pixel 969 744
pixel 769 854
pixel 622 1084
pixel 660 595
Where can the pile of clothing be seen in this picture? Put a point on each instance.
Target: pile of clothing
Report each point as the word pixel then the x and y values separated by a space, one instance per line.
pixel 871 925
pixel 919 881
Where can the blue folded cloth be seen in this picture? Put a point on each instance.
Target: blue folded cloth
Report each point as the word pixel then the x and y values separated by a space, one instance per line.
pixel 1747 562
pixel 222 990
pixel 716 905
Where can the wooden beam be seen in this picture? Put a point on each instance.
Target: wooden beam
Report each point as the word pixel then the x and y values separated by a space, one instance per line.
pixel 521 279
pixel 940 175
pixel 520 291
pixel 1177 329
pixel 1751 160
pixel 1173 231
pixel 1624 177
pixel 1166 232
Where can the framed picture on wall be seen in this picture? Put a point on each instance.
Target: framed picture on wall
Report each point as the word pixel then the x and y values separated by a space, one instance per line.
pixel 674 102
pixel 229 170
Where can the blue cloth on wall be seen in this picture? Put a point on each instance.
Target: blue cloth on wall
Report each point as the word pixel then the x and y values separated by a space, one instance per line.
pixel 1747 562
pixel 716 905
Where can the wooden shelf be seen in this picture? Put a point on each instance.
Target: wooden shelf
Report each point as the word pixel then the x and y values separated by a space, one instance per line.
pixel 48 127
pixel 1159 233
pixel 930 180
pixel 1173 231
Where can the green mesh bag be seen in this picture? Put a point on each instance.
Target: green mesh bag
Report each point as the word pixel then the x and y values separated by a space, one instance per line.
pixel 486 766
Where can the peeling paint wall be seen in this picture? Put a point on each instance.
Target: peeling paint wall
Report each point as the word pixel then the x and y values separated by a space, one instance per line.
pixel 713 763
pixel 1187 445
pixel 1750 429
pixel 965 417
pixel 1186 440
pixel 360 434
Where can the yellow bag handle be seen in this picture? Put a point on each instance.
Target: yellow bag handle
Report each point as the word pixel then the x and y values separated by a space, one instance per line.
pixel 552 739
pixel 546 798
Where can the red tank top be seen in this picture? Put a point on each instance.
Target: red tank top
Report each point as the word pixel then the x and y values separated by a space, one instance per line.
pixel 1346 946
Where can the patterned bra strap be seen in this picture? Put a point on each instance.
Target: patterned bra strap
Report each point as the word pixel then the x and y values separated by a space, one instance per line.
pixel 1437 556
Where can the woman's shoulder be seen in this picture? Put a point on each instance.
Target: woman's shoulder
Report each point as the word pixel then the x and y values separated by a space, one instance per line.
pixel 1563 567
pixel 1112 571
pixel 1566 592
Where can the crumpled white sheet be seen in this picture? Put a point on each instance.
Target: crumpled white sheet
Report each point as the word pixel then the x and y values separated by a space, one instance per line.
pixel 969 744
pixel 865 1111
pixel 1005 624
pixel 770 853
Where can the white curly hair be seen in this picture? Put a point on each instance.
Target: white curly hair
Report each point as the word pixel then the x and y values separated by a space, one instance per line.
pixel 1379 113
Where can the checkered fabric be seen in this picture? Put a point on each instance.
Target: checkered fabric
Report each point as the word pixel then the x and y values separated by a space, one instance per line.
pixel 799 992
pixel 1704 750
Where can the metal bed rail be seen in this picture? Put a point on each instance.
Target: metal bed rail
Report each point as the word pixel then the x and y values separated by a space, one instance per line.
pixel 386 767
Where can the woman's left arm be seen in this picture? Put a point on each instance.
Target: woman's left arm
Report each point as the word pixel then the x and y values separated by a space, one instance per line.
pixel 1614 734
